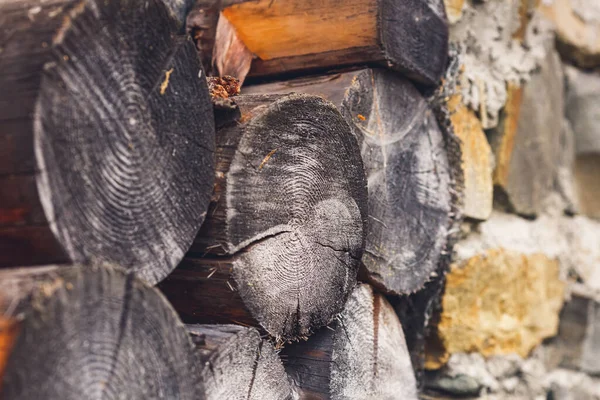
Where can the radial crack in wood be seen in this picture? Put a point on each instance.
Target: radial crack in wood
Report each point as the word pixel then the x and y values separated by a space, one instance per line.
pixel 288 216
pixel 91 333
pixel 364 356
pixel 109 132
pixel 238 364
pixel 409 171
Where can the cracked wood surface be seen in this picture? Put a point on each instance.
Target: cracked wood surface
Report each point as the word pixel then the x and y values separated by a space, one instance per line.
pixel 409 171
pixel 285 230
pixel 86 333
pixel 238 364
pixel 363 355
pixel 106 149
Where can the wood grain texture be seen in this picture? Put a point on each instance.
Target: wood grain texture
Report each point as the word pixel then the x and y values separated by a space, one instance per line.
pixel 363 357
pixel 407 166
pixel 289 212
pixel 94 333
pixel 238 364
pixel 409 36
pixel 114 131
pixel 231 56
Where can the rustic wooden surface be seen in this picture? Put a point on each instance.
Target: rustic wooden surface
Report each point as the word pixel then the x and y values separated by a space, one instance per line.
pixel 363 357
pixel 238 364
pixel 409 36
pixel 408 170
pixel 94 333
pixel 288 215
pixel 109 134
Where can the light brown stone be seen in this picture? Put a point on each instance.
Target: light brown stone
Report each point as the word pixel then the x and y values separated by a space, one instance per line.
pixel 476 160
pixel 579 38
pixel 454 10
pixel 506 139
pixel 499 302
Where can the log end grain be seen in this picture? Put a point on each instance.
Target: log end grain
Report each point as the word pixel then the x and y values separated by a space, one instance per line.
pixel 410 179
pixel 237 364
pixel 123 138
pixel 94 332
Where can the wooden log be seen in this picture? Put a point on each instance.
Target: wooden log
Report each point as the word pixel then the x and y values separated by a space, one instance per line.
pixel 526 169
pixel 107 135
pixel 364 356
pixel 287 222
pixel 86 333
pixel 409 171
pixel 238 364
pixel 409 36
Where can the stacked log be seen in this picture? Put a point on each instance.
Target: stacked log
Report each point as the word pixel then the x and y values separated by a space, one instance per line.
pixel 284 234
pixel 310 196
pixel 78 333
pixel 238 364
pixel 107 135
pixel 409 171
pixel 362 356
pixel 409 36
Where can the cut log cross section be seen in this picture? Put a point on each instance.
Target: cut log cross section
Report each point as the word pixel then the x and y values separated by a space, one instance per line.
pixel 107 135
pixel 289 36
pixel 93 333
pixel 286 227
pixel 363 357
pixel 238 364
pixel 409 170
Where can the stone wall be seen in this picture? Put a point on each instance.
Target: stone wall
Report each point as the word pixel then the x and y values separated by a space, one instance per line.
pixel 518 316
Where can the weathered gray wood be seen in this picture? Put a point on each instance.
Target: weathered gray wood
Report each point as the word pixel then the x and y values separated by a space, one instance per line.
pixel 409 170
pixel 108 132
pixel 363 357
pixel 90 333
pixel 532 167
pixel 238 364
pixel 287 221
